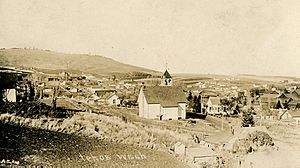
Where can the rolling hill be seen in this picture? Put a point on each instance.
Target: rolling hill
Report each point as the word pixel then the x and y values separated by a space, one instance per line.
pixel 53 62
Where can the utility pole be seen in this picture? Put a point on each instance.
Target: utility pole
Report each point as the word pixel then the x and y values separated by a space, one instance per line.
pixel 54 98
pixel 222 121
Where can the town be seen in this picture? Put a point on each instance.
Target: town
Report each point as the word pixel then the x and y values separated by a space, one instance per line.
pixel 208 110
pixel 165 98
pixel 149 84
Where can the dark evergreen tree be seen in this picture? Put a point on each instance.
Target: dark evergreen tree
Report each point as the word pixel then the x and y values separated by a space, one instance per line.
pixel 190 100
pixel 247 120
pixel 198 104
pixel 190 96
pixel 195 103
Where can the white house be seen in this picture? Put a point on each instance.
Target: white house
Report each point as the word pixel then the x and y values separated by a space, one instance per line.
pixel 291 114
pixel 214 105
pixel 110 99
pixel 162 102
pixel 113 99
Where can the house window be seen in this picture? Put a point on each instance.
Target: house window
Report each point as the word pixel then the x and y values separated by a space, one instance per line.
pixel 114 101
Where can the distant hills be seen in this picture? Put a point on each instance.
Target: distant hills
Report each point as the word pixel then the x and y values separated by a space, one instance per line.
pixel 53 62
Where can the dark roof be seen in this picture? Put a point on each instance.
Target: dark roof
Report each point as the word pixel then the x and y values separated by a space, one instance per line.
pixel 167 74
pixel 164 95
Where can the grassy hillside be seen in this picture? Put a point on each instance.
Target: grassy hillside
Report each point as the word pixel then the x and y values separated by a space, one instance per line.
pixel 52 62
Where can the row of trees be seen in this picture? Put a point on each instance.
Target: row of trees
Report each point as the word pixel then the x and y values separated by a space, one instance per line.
pixel 194 102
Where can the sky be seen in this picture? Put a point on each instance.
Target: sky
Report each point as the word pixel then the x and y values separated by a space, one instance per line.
pixel 192 36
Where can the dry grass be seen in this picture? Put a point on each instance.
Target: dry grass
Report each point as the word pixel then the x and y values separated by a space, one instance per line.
pixel 105 127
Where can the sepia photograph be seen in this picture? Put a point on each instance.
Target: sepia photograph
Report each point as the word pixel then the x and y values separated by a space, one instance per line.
pixel 150 83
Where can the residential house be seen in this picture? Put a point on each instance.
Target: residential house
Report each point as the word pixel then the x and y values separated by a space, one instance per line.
pixel 15 84
pixel 268 101
pixel 214 105
pixel 285 98
pixel 111 99
pixel 296 93
pixel 291 114
pixel 289 100
pixel 162 102
pixel 106 96
pixel 52 80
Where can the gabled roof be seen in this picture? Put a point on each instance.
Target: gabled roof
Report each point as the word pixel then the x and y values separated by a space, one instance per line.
pixel 283 96
pixel 294 113
pixel 292 96
pixel 297 91
pixel 164 95
pixel 294 102
pixel 107 96
pixel 215 100
pixel 166 74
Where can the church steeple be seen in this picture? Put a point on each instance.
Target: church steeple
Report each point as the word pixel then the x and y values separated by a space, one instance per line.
pixel 166 79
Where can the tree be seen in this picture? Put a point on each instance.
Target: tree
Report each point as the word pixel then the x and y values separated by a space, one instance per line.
pixel 237 109
pixel 190 100
pixel 247 120
pixel 197 104
pixel 278 105
pixel 190 96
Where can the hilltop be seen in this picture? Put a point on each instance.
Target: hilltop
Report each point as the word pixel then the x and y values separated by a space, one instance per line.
pixel 53 62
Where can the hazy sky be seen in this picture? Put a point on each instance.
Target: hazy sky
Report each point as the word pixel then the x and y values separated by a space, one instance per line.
pixel 194 36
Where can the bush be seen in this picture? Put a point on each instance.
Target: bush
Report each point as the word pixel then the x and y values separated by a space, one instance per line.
pixel 253 142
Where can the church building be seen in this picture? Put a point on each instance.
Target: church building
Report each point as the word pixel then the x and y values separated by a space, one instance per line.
pixel 164 102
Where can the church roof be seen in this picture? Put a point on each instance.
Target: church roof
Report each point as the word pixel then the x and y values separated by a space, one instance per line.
pixel 164 95
pixel 167 74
